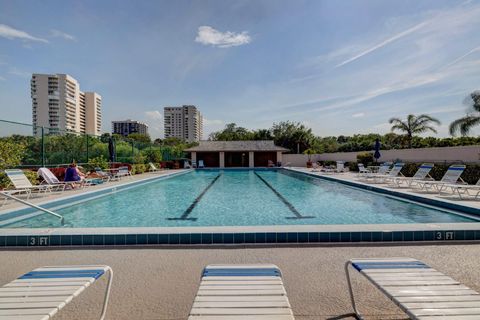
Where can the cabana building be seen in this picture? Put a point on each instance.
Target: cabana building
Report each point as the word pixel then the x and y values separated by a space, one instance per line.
pixel 228 154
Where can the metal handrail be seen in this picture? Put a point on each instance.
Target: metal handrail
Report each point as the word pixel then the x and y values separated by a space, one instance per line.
pixel 62 219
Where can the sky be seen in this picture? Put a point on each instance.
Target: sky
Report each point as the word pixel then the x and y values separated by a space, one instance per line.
pixel 339 67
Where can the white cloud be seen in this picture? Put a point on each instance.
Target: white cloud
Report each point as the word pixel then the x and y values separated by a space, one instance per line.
pixel 154 119
pixel 12 33
pixel 210 36
pixel 358 115
pixel 208 122
pixel 60 34
pixel 154 115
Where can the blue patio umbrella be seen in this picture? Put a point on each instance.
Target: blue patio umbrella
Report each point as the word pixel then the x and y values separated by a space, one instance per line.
pixel 112 150
pixel 377 155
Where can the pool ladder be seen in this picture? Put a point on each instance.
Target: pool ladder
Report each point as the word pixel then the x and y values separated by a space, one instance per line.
pixel 8 196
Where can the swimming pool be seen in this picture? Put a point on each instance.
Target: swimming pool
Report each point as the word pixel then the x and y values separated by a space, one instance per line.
pixel 242 198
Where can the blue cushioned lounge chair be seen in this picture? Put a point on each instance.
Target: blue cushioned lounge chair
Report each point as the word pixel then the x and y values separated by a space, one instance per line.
pixel 420 291
pixel 246 292
pixel 41 293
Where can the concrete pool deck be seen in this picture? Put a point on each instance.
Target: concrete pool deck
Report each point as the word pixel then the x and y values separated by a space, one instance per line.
pixel 160 283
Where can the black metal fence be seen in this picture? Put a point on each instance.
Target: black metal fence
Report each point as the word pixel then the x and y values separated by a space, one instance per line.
pixel 44 146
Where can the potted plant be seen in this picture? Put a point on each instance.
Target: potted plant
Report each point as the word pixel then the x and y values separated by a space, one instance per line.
pixel 309 153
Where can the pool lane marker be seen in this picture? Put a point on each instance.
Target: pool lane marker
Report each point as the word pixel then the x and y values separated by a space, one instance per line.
pixel 189 210
pixel 290 206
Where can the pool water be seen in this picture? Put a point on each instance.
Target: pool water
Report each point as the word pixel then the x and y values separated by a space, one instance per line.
pixel 242 198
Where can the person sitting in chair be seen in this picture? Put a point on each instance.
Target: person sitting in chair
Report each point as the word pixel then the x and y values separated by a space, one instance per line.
pixel 72 174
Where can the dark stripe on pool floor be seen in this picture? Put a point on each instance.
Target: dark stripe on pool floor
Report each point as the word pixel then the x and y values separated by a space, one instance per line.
pixel 290 206
pixel 195 202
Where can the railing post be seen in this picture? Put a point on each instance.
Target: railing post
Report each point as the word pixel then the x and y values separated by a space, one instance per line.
pixel 133 152
pixel 86 135
pixel 43 147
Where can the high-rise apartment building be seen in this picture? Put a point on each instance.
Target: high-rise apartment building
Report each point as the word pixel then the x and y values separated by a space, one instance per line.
pixel 184 122
pixel 59 105
pixel 129 126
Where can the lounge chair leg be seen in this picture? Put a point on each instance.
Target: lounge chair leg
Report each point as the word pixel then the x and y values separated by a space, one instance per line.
pixel 350 290
pixel 107 294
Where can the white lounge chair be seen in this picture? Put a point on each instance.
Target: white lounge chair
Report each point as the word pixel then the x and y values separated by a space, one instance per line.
pixel 246 292
pixel 452 176
pixel 194 164
pixel 383 169
pixel 362 170
pixel 106 176
pixel 201 164
pixel 420 291
pixel 23 185
pixel 122 172
pixel 316 167
pixel 50 179
pixel 152 167
pixel 385 178
pixel 340 167
pixel 422 174
pixel 41 293
pixel 465 191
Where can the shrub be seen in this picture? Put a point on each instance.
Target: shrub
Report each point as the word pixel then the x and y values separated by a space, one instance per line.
pixel 32 176
pixel 99 162
pixel 409 169
pixel 139 159
pixel 154 156
pixel 365 157
pixel 138 168
pixel 352 166
pixel 4 182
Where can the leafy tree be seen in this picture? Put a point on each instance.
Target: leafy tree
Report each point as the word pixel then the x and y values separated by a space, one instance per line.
pixel 143 138
pixel 262 134
pixel 414 125
pixel 472 119
pixel 152 155
pixel 11 154
pixel 105 137
pixel 231 133
pixel 292 135
pixel 171 141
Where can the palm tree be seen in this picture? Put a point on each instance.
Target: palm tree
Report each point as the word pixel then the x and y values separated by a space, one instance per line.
pixel 471 119
pixel 414 125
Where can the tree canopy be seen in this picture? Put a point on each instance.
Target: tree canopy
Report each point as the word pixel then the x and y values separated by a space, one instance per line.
pixel 472 119
pixel 414 125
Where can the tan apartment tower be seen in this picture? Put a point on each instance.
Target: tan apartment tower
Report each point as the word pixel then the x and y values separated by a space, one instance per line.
pixel 185 122
pixel 59 105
